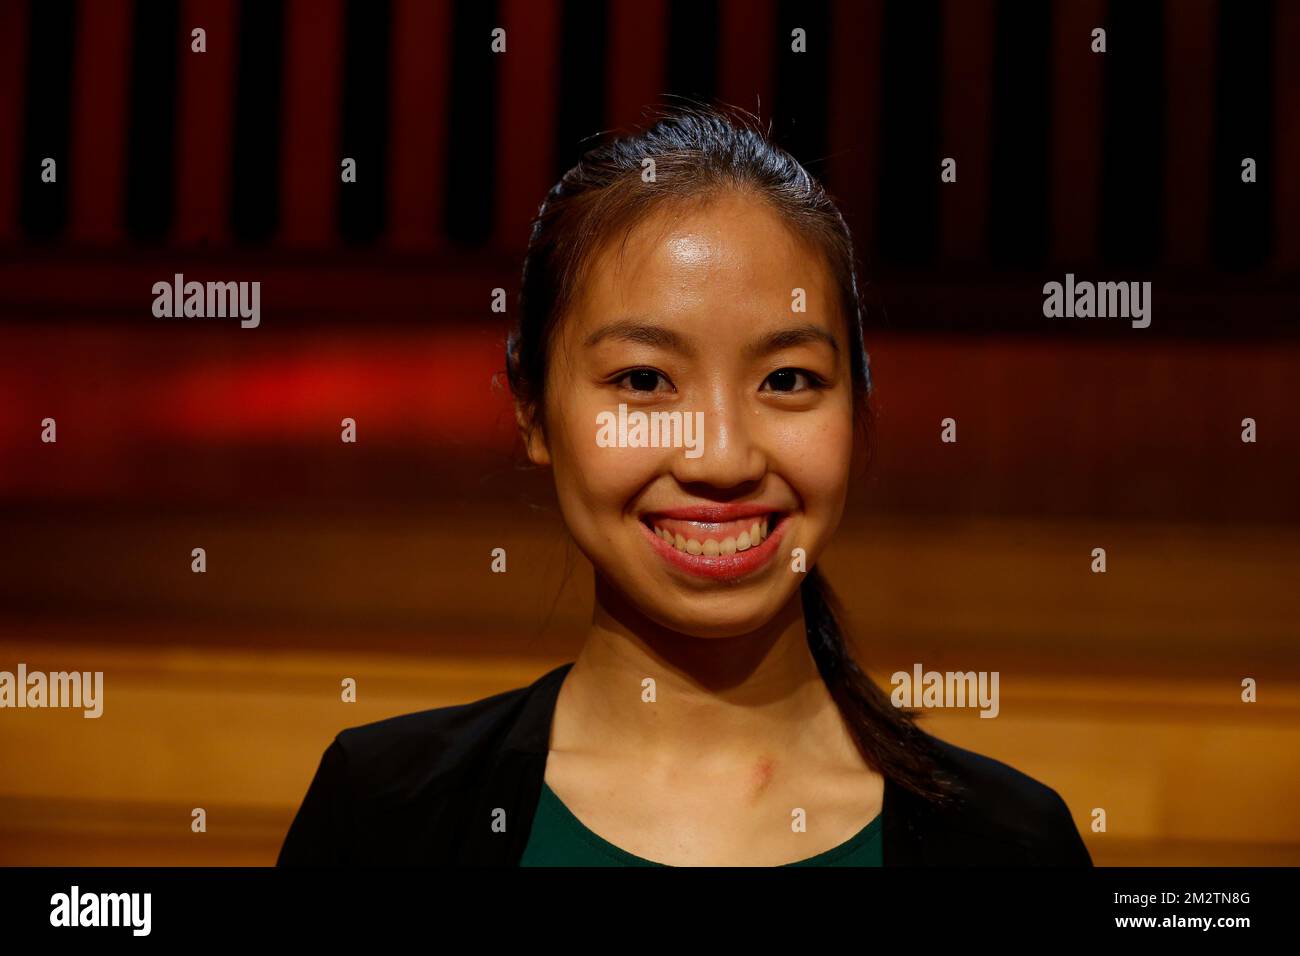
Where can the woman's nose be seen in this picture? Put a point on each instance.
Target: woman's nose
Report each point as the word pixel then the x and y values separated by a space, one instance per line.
pixel 731 451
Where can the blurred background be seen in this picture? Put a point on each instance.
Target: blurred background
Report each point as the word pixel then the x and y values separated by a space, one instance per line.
pixel 370 560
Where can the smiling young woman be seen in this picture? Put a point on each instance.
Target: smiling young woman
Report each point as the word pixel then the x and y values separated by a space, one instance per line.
pixel 714 715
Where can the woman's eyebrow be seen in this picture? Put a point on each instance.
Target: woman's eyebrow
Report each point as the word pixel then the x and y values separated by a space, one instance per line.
pixel 631 330
pixel 789 338
pixel 643 333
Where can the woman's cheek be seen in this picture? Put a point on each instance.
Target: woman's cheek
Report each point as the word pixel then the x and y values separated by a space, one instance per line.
pixel 815 462
pixel 600 482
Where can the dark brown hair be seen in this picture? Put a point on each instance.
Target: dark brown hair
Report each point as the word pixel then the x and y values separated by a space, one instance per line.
pixel 698 151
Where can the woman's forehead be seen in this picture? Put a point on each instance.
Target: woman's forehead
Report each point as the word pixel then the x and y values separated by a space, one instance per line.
pixel 730 248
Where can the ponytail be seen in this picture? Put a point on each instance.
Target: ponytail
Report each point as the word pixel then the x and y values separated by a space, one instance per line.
pixel 887 736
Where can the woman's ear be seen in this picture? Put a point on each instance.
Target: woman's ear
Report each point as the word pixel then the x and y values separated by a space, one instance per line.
pixel 531 431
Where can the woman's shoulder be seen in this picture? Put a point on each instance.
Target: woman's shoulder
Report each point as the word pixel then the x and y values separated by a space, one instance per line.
pixel 1015 816
pixel 395 788
pixel 442 733
pixel 998 787
pixel 447 738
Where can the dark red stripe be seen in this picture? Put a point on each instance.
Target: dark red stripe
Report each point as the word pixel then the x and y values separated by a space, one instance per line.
pixel 1189 119
pixel 99 121
pixel 13 71
pixel 526 118
pixel 967 111
pixel 1075 181
pixel 634 67
pixel 418 130
pixel 310 169
pixel 205 115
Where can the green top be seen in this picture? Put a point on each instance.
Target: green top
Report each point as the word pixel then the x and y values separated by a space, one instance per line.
pixel 558 838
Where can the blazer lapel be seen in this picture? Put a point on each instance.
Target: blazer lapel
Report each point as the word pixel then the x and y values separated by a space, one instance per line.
pixel 513 783
pixel 902 827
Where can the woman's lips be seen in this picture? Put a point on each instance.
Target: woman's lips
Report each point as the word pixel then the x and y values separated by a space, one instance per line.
pixel 716 548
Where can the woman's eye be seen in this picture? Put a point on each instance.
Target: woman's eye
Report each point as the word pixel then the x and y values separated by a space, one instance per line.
pixel 789 379
pixel 642 380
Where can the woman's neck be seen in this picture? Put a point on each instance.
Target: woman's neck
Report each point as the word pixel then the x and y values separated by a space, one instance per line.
pixel 714 703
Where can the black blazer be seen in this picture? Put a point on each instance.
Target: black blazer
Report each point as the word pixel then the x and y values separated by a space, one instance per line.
pixel 424 788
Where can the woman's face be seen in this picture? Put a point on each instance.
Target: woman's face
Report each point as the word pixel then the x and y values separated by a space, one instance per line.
pixel 720 317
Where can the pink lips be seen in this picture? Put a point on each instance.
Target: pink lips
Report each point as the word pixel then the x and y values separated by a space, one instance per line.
pixel 718 567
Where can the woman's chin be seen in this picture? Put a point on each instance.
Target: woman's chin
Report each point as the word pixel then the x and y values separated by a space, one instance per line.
pixel 712 622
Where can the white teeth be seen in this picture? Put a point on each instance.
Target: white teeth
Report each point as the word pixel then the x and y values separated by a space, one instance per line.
pixel 751 537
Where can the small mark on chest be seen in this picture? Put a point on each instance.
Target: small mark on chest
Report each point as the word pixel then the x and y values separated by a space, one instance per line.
pixel 764 771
